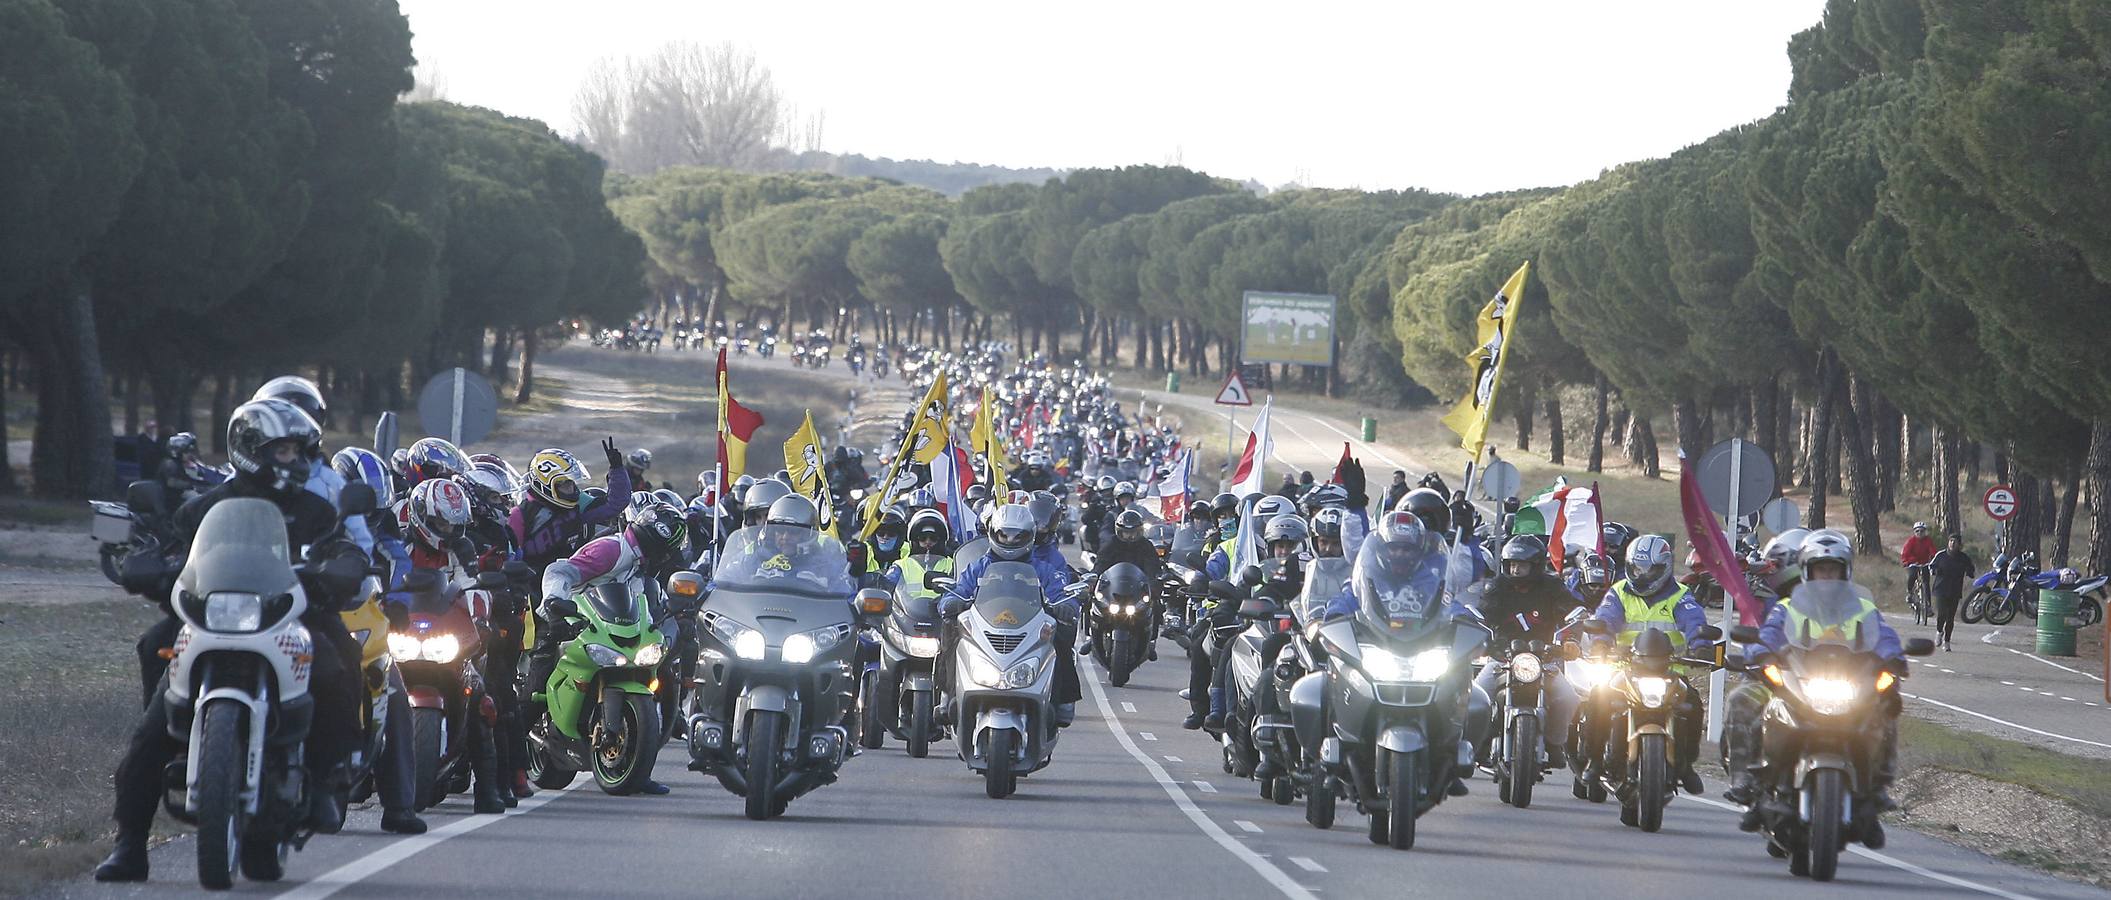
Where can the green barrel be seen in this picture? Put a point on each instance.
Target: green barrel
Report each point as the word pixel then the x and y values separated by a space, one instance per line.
pixel 1370 429
pixel 2055 628
pixel 1172 382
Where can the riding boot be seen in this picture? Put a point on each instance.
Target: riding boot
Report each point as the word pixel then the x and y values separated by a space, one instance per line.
pixel 483 766
pixel 1218 706
pixel 127 861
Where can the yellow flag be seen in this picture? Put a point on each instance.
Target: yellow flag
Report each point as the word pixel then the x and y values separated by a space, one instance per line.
pixel 1494 332
pixel 923 442
pixel 983 442
pixel 809 471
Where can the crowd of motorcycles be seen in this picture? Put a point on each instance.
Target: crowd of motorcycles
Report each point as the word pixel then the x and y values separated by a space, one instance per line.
pixel 777 652
pixel 811 349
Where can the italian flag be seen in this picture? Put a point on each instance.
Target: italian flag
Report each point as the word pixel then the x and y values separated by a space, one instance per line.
pixel 1566 514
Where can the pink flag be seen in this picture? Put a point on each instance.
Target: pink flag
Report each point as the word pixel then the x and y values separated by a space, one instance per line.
pixel 1711 548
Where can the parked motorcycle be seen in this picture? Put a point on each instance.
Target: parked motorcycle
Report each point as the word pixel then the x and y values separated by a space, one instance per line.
pixel 1003 671
pixel 1832 698
pixel 603 703
pixel 777 667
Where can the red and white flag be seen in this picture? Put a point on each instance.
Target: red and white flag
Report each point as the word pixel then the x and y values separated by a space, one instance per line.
pixel 951 473
pixel 1247 477
pixel 1173 491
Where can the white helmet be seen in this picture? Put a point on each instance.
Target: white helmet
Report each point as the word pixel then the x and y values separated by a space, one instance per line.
pixel 1827 545
pixel 1784 552
pixel 1648 564
pixel 1012 532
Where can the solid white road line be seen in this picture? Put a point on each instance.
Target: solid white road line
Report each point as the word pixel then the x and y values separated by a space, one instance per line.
pixel 2006 722
pixel 398 850
pixel 2089 675
pixel 1268 871
pixel 1888 860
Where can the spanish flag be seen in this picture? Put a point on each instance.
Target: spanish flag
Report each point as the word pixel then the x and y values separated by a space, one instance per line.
pixel 925 439
pixel 1470 417
pixel 803 459
pixel 736 426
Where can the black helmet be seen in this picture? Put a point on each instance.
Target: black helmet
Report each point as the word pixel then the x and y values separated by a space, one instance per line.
pixel 1201 509
pixel 1430 507
pixel 761 495
pixel 254 430
pixel 659 530
pixel 1125 582
pixel 1045 507
pixel 1128 526
pixel 300 392
pixel 1616 536
pixel 795 510
pixel 977 493
pixel 1525 556
pixel 1224 504
pixel 1286 528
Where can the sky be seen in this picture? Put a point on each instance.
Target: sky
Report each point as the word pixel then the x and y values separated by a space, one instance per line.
pixel 1450 95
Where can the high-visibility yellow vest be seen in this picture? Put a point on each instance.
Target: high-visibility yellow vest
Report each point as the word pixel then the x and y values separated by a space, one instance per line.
pixel 1643 615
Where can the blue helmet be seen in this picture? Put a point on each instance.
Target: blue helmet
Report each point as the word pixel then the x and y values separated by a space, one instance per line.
pixel 361 466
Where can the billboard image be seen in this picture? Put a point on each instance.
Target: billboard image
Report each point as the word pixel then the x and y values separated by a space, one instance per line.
pixel 1288 328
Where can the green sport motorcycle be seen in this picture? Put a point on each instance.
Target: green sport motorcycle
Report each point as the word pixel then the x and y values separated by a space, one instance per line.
pixel 601 709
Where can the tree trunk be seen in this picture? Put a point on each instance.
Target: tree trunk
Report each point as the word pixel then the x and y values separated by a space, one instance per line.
pixel 1820 433
pixel 1765 419
pixel 1687 415
pixel 2063 516
pixel 1642 445
pixel 131 391
pixel 1944 464
pixel 1522 412
pixel 1863 492
pixel 1884 432
pixel 1598 424
pixel 223 405
pixel 7 465
pixel 529 342
pixel 1145 334
pixel 2024 531
pixel 1557 443
pixel 2098 471
pixel 71 455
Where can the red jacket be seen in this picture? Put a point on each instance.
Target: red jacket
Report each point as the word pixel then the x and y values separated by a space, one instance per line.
pixel 1919 550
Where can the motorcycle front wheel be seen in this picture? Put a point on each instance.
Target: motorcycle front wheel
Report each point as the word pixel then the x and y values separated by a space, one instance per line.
pixel 2001 609
pixel 997 780
pixel 871 733
pixel 425 728
pixel 1403 777
pixel 1523 767
pixel 765 736
pixel 1120 658
pixel 1974 608
pixel 1653 771
pixel 1319 801
pixel 919 724
pixel 1825 814
pixel 625 765
pixel 220 756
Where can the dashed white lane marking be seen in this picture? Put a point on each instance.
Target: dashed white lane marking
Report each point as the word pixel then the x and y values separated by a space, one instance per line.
pixel 1891 861
pixel 1147 735
pixel 1269 871
pixel 1128 707
pixel 1172 759
pixel 1246 826
pixel 2070 699
pixel 400 849
pixel 2009 683
pixel 1988 638
pixel 2085 674
pixel 1204 787
pixel 1955 708
pixel 1306 863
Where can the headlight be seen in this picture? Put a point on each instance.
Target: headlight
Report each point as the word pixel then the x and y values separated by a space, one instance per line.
pixel 980 670
pixel 749 645
pixel 1829 696
pixel 1022 674
pixel 925 647
pixel 1587 674
pixel 606 656
pixel 1380 662
pixel 1429 665
pixel 232 611
pixel 440 648
pixel 1524 668
pixel 798 648
pixel 650 654
pixel 404 647
pixel 1651 690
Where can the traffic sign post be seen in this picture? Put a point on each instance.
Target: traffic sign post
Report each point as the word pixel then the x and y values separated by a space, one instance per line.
pixel 2000 502
pixel 1737 478
pixel 1233 393
pixel 460 404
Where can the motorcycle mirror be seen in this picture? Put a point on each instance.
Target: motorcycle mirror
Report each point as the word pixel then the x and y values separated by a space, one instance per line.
pixel 491 580
pixel 686 584
pixel 355 500
pixel 1571 651
pixel 1256 608
pixel 1919 647
pixel 1744 634
pixel 1593 626
pixel 1711 633
pixel 874 602
pixel 1735 662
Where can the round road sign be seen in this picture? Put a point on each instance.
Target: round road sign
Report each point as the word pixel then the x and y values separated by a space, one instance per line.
pixel 1500 481
pixel 1780 514
pixel 2000 502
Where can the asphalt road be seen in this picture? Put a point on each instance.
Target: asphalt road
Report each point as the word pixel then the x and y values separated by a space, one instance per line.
pixel 1132 805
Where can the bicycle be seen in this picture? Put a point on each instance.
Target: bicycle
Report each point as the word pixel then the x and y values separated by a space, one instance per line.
pixel 1917 583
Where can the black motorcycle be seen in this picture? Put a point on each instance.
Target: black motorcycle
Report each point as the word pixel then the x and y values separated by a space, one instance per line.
pixel 906 700
pixel 1518 759
pixel 1124 620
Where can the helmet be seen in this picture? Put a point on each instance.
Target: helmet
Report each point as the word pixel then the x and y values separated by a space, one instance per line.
pixel 556 478
pixel 1286 528
pixel 929 524
pixel 1327 524
pixel 1125 582
pixel 796 511
pixel 1826 545
pixel 1920 526
pixel 1012 532
pixel 1125 489
pixel 740 487
pixel 1403 542
pixel 923 498
pixel 669 497
pixel 1106 484
pixel 360 466
pixel 1648 564
pixel 761 496
pixel 255 430
pixel 1783 554
pixel 298 391
pixel 433 457
pixel 1615 537
pixel 659 531
pixel 1045 507
pixel 639 459
pixel 491 488
pixel 977 494
pixel 1128 526
pixel 1430 507
pixel 1327 495
pixel 893 527
pixel 182 444
pixel 1201 510
pixel 1525 556
pixel 438 512
pixel 2070 576
pixel 1272 505
pixel 1594 572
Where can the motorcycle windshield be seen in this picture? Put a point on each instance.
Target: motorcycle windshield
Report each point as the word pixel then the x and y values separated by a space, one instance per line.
pixel 969 552
pixel 784 559
pixel 616 604
pixel 1324 580
pixel 1399 598
pixel 1187 543
pixel 1829 614
pixel 1009 594
pixel 241 547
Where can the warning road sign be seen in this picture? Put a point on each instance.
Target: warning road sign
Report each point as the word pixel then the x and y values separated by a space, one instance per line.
pixel 1234 392
pixel 2000 503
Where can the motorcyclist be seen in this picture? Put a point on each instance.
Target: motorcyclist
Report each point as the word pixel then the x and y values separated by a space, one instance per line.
pixel 1284 542
pixel 1354 524
pixel 1650 598
pixel 434 521
pixel 181 475
pixel 761 496
pixel 1129 545
pixel 1439 516
pixel 393 772
pixel 551 522
pixel 269 442
pixel 1742 736
pixel 635 465
pixel 647 550
pixel 1526 602
pixel 323 481
pixel 1288 538
pixel 1012 533
pixel 1327 534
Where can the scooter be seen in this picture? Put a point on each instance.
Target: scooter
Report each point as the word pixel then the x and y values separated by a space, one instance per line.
pixel 1003 670
pixel 906 689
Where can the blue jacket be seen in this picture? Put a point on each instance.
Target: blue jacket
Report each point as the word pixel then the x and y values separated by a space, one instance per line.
pixel 1774 634
pixel 1430 577
pixel 1054 578
pixel 1688 614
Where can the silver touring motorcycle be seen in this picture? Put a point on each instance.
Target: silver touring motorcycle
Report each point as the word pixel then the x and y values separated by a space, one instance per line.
pixel 1003 678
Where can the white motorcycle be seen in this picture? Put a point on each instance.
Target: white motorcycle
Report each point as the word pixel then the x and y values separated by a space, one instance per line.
pixel 1003 678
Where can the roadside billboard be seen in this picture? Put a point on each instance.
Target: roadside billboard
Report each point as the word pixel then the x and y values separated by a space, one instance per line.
pixel 1288 328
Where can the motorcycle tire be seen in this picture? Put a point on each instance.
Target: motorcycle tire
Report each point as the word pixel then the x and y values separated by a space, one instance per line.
pixel 997 779
pixel 425 728
pixel 544 771
pixel 2091 612
pixel 1654 774
pixel 919 724
pixel 765 737
pixel 1285 791
pixel 1319 802
pixel 1825 812
pixel 1974 608
pixel 871 734
pixel 263 858
pixel 2001 609
pixel 112 559
pixel 1524 764
pixel 221 759
pixel 1120 658
pixel 1403 777
pixel 626 770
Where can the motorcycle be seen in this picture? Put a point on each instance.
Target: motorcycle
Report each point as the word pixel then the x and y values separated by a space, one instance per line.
pixel 2019 592
pixel 1272 644
pixel 911 638
pixel 1823 730
pixel 382 680
pixel 1641 695
pixel 238 684
pixel 1124 620
pixel 604 706
pixel 1988 586
pixel 777 668
pixel 439 656
pixel 1003 669
pixel 1378 712
pixel 1520 712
